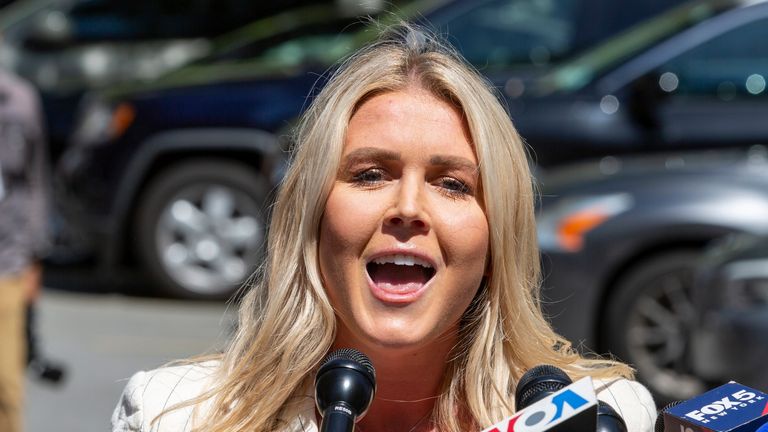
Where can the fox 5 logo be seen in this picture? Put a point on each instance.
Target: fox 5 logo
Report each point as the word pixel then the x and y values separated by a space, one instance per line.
pixel 719 408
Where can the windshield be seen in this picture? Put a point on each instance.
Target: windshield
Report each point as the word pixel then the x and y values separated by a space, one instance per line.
pixel 578 72
pixel 308 35
pixel 313 37
pixel 251 40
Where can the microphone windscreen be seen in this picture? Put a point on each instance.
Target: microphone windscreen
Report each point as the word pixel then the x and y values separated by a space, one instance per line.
pixel 539 382
pixel 352 355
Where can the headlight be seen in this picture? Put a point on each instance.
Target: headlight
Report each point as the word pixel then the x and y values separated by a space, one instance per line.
pixel 563 226
pixel 100 122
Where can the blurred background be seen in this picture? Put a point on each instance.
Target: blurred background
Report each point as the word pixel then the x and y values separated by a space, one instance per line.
pixel 168 123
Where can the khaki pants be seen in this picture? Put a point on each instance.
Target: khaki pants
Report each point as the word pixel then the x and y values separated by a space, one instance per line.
pixel 12 353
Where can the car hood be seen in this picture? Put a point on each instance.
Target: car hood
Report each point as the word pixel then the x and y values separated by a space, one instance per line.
pixel 613 173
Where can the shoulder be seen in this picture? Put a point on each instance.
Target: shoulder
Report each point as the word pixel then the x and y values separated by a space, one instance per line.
pixel 149 393
pixel 631 400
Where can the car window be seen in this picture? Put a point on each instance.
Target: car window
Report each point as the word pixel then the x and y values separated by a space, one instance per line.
pixel 734 64
pixel 96 20
pixel 324 46
pixel 500 33
pixel 579 71
pixel 321 50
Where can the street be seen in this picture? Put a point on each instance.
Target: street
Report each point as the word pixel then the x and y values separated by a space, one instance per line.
pixel 102 339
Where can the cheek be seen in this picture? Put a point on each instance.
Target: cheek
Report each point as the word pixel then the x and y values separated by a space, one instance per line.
pixel 466 248
pixel 347 222
pixel 345 229
pixel 467 238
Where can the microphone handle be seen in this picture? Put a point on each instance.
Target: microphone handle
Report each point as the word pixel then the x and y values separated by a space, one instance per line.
pixel 608 420
pixel 337 418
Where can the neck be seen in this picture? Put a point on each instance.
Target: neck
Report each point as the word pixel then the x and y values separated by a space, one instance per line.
pixel 406 394
pixel 408 385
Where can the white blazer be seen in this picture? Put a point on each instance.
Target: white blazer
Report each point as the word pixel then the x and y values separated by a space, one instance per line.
pixel 147 394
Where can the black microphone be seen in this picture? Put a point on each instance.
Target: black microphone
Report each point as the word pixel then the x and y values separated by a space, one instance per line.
pixel 608 420
pixel 538 383
pixel 544 380
pixel 344 389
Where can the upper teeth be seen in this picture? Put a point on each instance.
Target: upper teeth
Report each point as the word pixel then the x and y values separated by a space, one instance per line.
pixel 408 260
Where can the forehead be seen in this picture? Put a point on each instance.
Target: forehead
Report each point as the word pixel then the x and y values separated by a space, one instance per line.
pixel 404 103
pixel 412 117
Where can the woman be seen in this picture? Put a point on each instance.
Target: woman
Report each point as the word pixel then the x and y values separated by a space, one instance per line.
pixel 405 229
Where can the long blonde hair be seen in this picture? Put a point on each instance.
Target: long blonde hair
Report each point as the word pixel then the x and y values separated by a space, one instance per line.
pixel 286 323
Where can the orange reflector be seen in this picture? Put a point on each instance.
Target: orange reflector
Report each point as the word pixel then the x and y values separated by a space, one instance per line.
pixel 572 229
pixel 122 119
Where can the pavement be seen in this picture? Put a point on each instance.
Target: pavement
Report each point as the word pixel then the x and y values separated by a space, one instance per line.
pixel 103 338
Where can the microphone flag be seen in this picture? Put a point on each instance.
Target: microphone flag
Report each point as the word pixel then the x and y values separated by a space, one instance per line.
pixel 732 407
pixel 573 408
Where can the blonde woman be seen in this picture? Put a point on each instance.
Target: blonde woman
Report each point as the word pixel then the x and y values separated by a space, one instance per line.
pixel 405 229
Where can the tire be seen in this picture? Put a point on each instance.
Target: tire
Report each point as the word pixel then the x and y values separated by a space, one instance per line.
pixel 200 228
pixel 649 319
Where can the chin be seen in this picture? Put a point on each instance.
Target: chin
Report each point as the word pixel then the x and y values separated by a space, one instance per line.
pixel 398 340
pixel 406 335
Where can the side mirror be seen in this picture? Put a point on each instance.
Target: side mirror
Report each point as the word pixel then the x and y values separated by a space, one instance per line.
pixel 50 31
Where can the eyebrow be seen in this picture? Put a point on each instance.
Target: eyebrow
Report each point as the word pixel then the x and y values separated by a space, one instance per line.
pixel 456 162
pixel 374 153
pixel 367 154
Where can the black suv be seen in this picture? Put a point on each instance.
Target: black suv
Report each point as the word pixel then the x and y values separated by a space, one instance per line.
pixel 66 47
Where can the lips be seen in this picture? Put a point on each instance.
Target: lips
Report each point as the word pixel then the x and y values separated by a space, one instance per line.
pixel 399 277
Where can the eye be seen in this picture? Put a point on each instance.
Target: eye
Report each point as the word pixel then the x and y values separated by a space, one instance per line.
pixel 454 188
pixel 368 176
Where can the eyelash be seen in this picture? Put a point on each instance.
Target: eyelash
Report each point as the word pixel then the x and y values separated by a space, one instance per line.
pixel 449 186
pixel 454 188
pixel 360 179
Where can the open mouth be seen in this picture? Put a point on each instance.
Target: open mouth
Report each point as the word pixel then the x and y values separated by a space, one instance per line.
pixel 400 273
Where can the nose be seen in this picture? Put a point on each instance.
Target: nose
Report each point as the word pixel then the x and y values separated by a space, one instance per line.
pixel 408 210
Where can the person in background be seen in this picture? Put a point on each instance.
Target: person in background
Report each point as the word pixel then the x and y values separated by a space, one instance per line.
pixel 24 234
pixel 405 229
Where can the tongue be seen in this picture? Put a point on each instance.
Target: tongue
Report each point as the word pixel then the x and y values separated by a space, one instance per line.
pixel 397 277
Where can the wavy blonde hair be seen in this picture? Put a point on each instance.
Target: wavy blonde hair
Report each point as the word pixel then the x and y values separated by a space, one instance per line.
pixel 286 323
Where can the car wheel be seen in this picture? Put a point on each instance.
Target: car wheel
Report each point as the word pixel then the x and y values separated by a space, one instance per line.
pixel 649 319
pixel 201 228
